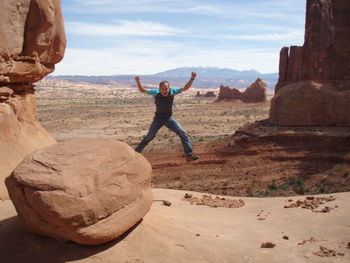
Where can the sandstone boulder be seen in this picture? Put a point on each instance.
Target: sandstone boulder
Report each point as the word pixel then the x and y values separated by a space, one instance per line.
pixel 89 191
pixel 32 39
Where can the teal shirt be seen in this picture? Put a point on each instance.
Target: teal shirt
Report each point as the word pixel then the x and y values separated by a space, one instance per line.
pixel 172 91
pixel 164 104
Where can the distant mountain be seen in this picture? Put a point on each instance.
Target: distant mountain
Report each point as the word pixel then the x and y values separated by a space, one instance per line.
pixel 211 72
pixel 207 77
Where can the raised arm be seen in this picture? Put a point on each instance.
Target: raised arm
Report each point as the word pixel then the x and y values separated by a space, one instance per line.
pixel 189 83
pixel 139 85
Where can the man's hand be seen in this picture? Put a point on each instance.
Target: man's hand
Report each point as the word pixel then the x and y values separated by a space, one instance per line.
pixel 139 85
pixel 189 83
pixel 193 75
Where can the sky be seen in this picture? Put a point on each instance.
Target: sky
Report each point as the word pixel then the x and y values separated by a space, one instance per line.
pixel 110 37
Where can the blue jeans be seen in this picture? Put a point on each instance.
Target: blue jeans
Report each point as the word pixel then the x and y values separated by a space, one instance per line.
pixel 173 125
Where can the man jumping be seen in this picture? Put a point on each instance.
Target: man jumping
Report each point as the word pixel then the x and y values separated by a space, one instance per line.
pixel 164 99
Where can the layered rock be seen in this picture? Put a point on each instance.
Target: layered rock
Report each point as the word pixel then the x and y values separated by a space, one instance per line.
pixel 32 42
pixel 324 59
pixel 256 92
pixel 227 93
pixel 20 130
pixel 87 190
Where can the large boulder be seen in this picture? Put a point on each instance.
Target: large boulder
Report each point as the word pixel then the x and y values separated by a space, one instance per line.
pixel 89 191
pixel 32 39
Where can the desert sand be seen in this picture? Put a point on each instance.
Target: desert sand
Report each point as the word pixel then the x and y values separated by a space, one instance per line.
pixel 197 233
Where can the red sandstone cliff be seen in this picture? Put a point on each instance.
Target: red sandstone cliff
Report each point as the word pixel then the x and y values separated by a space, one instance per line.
pixel 314 80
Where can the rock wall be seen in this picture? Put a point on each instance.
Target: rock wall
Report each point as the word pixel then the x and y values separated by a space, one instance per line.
pixel 256 92
pixel 32 42
pixel 324 59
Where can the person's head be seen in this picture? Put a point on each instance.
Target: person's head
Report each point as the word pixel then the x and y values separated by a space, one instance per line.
pixel 164 87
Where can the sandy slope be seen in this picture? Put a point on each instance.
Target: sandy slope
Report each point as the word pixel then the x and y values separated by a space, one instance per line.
pixel 190 233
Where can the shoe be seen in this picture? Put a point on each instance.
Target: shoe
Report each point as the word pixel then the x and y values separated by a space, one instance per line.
pixel 190 158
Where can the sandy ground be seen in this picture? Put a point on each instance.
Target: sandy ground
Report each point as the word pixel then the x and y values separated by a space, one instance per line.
pixel 274 168
pixel 197 233
pixel 127 117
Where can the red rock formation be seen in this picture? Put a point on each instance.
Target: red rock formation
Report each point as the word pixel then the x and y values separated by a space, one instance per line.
pixel 32 42
pixel 32 39
pixel 256 92
pixel 323 61
pixel 227 93
pixel 208 94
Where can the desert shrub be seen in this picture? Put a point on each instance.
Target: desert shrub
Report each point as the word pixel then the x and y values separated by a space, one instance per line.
pixel 272 187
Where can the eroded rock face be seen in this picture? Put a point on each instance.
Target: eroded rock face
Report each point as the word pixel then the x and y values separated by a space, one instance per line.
pixel 324 57
pixel 227 93
pixel 20 131
pixel 312 103
pixel 89 191
pixel 256 92
pixel 32 39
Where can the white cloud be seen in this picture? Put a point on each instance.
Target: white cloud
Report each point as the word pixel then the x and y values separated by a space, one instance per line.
pixel 230 9
pixel 270 37
pixel 149 60
pixel 218 36
pixel 123 27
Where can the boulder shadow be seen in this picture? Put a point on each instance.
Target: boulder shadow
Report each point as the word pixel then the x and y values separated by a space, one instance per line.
pixel 18 246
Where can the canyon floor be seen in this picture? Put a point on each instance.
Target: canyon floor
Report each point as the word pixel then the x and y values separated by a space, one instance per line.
pixel 276 162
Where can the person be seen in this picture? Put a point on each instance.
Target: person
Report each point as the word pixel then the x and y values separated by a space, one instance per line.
pixel 164 99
